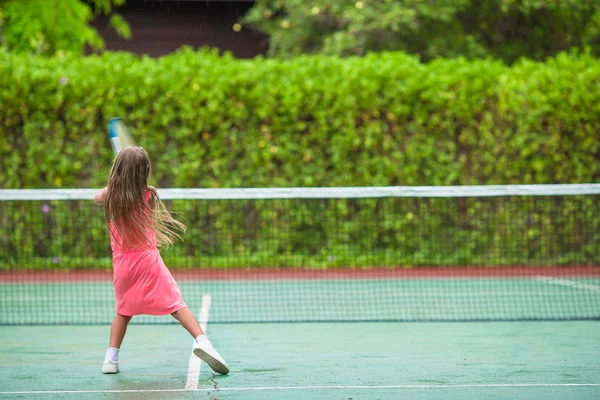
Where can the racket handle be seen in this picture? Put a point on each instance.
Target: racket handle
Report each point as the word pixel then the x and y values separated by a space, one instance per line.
pixel 116 144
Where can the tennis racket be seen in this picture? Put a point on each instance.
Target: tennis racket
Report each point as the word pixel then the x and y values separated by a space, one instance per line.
pixel 119 135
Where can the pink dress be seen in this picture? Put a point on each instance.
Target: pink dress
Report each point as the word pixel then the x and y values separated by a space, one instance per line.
pixel 143 284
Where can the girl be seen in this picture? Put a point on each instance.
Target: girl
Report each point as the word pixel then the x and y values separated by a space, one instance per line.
pixel 138 222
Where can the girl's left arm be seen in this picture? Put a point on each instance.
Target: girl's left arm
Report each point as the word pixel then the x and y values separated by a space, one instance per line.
pixel 100 196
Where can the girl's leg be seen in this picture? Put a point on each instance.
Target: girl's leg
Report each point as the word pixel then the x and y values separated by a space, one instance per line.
pixel 187 319
pixel 117 333
pixel 117 330
pixel 203 348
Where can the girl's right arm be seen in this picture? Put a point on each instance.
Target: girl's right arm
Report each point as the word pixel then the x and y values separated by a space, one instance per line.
pixel 100 196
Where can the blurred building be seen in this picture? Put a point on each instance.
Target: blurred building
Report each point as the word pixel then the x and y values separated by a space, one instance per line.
pixel 159 27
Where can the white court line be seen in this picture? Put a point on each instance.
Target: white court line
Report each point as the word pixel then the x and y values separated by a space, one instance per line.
pixel 334 387
pixel 566 282
pixel 195 362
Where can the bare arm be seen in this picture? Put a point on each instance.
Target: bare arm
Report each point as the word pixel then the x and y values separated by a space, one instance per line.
pixel 100 196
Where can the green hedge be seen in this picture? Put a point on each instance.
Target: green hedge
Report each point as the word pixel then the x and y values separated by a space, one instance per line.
pixel 386 119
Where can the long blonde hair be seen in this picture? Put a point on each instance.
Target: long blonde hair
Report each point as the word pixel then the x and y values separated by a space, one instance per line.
pixel 126 209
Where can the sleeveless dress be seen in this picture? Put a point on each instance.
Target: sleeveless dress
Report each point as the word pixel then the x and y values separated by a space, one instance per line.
pixel 143 284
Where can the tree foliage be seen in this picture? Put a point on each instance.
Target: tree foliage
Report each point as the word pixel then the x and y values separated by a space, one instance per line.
pixel 505 29
pixel 49 26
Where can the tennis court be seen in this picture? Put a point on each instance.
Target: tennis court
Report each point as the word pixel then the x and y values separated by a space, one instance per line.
pixel 457 295
pixel 518 360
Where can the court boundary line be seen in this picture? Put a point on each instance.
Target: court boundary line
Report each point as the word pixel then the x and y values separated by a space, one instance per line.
pixel 315 387
pixel 568 283
pixel 195 363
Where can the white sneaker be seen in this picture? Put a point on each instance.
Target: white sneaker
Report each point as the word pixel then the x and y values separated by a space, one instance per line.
pixel 110 367
pixel 204 350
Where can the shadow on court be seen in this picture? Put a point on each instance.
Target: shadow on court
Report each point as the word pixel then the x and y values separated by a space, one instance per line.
pixel 512 360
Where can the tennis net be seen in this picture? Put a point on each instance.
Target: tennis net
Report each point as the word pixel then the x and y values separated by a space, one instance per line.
pixel 471 253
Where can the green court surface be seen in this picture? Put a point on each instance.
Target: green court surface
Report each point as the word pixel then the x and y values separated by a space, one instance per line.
pixel 501 360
